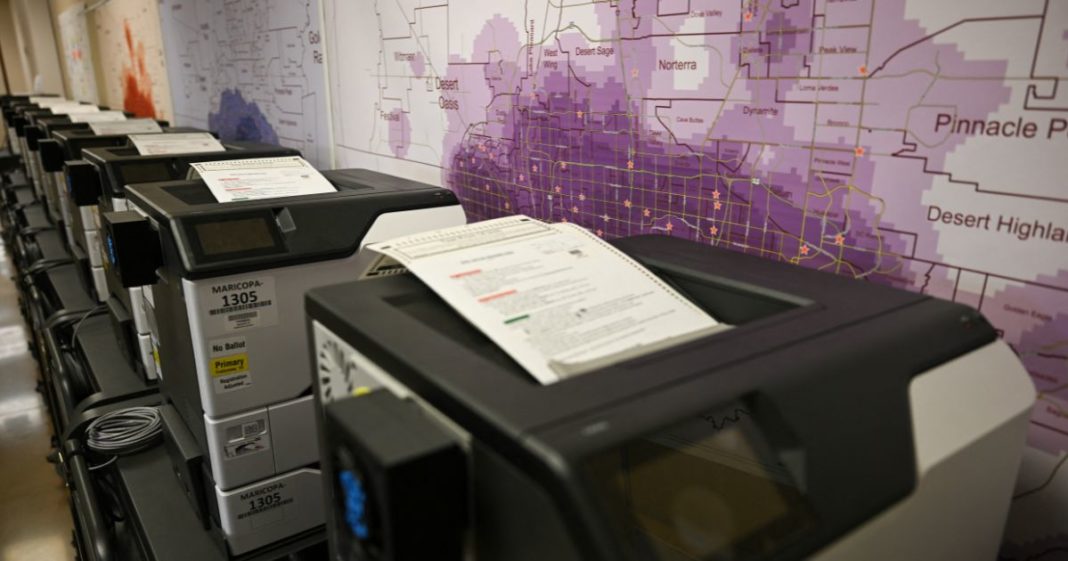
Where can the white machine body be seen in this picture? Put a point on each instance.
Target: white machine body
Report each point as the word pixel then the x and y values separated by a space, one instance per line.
pixel 266 325
pixel 16 147
pixel 251 353
pixel 256 515
pixel 59 179
pixel 33 164
pixel 90 219
pixel 50 185
pixel 970 416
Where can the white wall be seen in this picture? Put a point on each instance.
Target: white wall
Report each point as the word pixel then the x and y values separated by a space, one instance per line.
pixel 36 44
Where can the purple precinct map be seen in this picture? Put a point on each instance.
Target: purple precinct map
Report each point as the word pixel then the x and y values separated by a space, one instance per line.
pixel 249 70
pixel 921 144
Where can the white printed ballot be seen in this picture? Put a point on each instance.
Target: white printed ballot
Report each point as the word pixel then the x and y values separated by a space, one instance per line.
pixel 98 117
pixel 51 101
pixel 262 178
pixel 73 109
pixel 178 143
pixel 129 126
pixel 556 298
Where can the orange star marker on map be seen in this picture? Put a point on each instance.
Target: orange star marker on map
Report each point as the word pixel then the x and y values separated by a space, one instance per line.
pixel 749 16
pixel 715 194
pixel 839 239
pixel 630 164
pixel 670 226
pixel 627 203
pixel 863 70
pixel 558 189
pixel 647 213
pixel 717 205
pixel 804 250
pixel 859 151
pixel 713 230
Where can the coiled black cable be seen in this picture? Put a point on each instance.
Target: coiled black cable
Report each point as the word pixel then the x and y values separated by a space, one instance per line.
pixel 124 431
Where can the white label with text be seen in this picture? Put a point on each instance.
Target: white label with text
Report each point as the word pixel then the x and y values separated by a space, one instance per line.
pixel 237 305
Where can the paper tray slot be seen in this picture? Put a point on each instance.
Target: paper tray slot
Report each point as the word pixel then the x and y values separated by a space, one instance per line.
pixel 731 302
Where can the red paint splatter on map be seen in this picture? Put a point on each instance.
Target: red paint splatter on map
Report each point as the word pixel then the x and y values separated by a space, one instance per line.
pixel 136 82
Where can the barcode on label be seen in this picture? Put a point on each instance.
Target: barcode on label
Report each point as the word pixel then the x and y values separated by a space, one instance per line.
pixel 239 317
pixel 231 309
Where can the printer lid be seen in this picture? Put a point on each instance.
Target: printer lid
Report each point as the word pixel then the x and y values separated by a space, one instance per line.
pixel 74 140
pixel 777 302
pixel 818 364
pixel 207 238
pixel 48 125
pixel 124 165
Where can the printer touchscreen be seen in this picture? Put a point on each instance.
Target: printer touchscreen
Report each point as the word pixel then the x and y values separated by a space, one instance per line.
pixel 140 173
pixel 707 488
pixel 233 236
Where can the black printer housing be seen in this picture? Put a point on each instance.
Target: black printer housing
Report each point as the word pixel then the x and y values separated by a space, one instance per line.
pixel 820 364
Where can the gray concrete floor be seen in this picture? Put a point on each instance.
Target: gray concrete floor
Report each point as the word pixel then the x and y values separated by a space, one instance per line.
pixel 35 520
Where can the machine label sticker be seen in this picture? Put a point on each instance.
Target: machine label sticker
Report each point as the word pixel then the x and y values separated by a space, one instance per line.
pixel 264 506
pixel 155 358
pixel 229 365
pixel 242 304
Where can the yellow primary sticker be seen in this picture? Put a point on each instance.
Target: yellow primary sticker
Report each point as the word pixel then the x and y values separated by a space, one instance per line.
pixel 227 365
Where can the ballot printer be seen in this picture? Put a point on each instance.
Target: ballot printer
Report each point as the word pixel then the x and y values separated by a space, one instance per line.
pixel 39 134
pixel 66 144
pixel 225 309
pixel 838 420
pixel 30 134
pixel 98 184
pixel 8 106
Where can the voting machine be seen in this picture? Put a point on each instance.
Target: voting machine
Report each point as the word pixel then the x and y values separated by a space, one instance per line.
pixel 836 420
pixel 98 184
pixel 225 310
pixel 64 143
pixel 39 141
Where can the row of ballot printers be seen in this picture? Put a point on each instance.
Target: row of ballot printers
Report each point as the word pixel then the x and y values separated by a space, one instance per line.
pixel 294 392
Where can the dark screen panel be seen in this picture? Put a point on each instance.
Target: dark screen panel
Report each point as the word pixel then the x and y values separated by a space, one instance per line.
pixel 706 489
pixel 145 173
pixel 234 236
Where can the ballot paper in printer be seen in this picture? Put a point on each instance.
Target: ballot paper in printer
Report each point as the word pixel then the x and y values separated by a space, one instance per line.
pixel 559 300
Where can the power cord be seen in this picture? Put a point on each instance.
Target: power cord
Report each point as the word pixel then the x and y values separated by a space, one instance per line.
pixel 94 311
pixel 124 431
